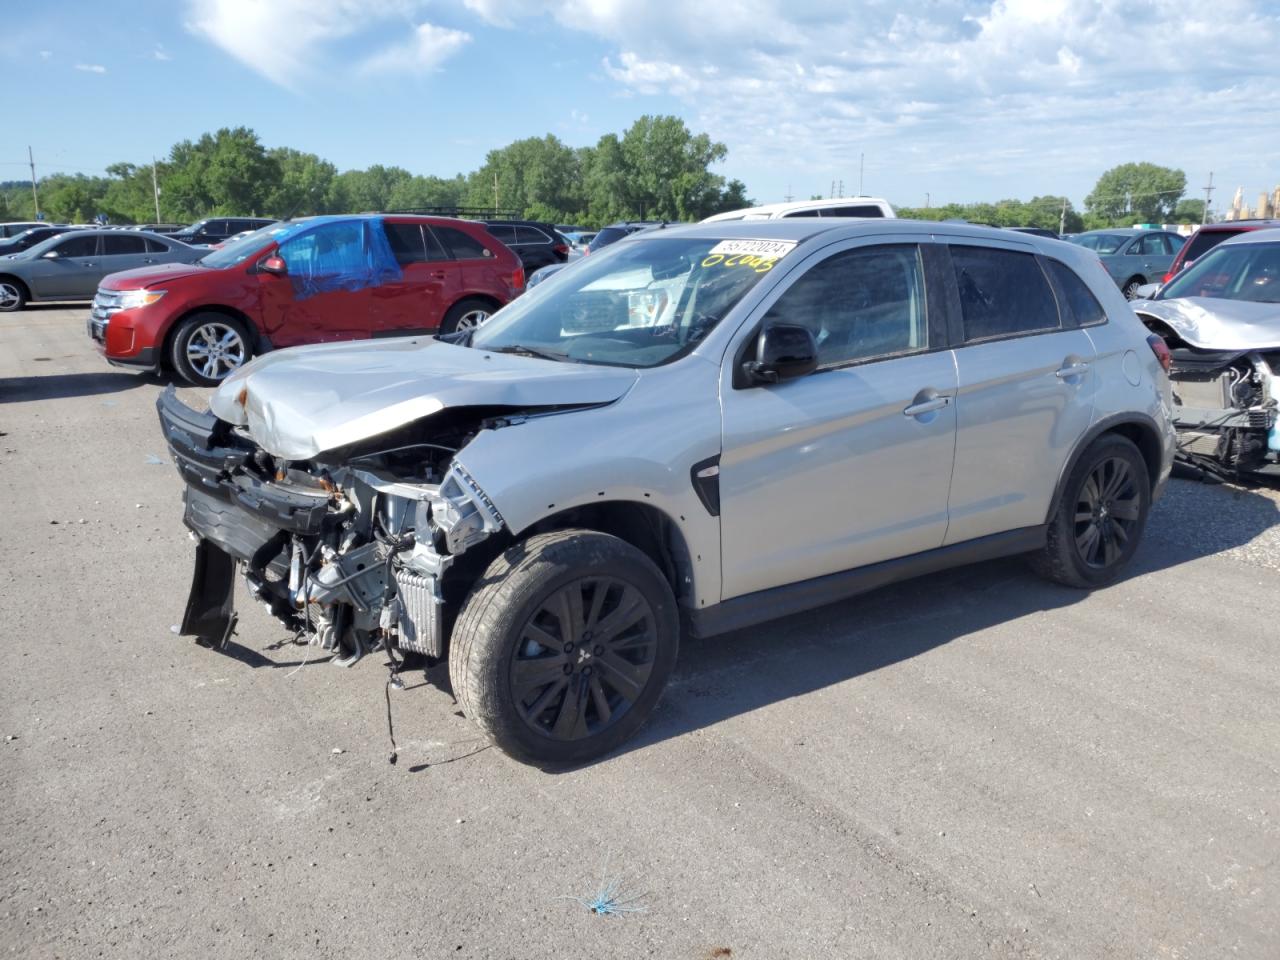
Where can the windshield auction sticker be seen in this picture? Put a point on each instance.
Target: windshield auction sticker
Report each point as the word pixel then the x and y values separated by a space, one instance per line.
pixel 758 255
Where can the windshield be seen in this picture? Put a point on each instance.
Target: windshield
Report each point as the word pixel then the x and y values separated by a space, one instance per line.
pixel 238 251
pixel 640 304
pixel 1246 271
pixel 1102 243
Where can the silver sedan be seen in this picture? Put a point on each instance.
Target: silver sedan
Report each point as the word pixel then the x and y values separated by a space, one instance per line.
pixel 70 266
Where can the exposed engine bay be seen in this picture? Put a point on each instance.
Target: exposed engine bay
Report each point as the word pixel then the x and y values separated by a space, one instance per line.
pixel 351 551
pixel 1224 403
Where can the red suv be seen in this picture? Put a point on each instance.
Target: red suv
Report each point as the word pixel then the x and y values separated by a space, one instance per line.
pixel 303 281
pixel 1208 237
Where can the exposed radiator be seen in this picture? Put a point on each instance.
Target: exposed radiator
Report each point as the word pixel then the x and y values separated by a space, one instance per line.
pixel 420 626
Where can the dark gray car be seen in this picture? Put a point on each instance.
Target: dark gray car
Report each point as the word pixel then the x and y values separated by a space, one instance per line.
pixel 70 266
pixel 1133 257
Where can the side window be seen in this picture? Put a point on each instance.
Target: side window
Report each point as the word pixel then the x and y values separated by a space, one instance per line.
pixel 503 233
pixel 1084 306
pixel 1152 245
pixel 78 247
pixel 531 235
pixel 860 304
pixel 1175 241
pixel 463 246
pixel 406 242
pixel 118 244
pixel 1003 293
pixel 155 246
pixel 435 249
pixel 801 213
pixel 328 250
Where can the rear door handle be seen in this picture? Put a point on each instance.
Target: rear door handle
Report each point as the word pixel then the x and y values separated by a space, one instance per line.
pixel 439 275
pixel 922 407
pixel 1072 370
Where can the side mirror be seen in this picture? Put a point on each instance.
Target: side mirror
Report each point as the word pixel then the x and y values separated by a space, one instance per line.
pixel 274 265
pixel 783 351
pixel 50 255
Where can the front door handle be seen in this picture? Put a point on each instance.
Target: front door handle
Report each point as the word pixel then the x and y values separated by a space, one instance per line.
pixel 439 276
pixel 1077 369
pixel 924 405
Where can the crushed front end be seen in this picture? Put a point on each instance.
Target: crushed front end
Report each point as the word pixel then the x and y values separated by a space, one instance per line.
pixel 350 549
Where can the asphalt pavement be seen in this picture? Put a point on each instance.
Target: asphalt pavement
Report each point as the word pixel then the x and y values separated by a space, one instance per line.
pixel 974 764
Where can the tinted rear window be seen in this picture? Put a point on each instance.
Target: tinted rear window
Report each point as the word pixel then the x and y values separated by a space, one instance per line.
pixel 861 210
pixel 1206 240
pixel 607 236
pixel 1002 293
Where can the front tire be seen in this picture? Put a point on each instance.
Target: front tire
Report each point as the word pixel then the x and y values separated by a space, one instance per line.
pixel 564 646
pixel 1100 516
pixel 13 295
pixel 207 347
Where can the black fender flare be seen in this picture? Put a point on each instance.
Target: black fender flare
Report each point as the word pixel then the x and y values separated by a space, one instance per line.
pixel 1146 424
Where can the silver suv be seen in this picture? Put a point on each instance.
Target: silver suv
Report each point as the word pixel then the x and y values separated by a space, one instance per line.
pixel 701 429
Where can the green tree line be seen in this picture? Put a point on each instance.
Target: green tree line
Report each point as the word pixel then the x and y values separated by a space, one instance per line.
pixel 656 169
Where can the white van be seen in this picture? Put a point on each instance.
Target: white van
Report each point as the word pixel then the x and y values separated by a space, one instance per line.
pixel 835 207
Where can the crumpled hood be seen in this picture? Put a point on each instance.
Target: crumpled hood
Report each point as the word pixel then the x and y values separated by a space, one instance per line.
pixel 305 400
pixel 1216 324
pixel 145 276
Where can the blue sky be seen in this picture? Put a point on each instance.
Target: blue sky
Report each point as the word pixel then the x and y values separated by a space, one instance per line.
pixel 962 100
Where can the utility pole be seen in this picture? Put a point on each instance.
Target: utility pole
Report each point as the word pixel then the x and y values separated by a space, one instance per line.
pixel 861 158
pixel 1208 194
pixel 495 193
pixel 832 194
pixel 926 200
pixel 155 188
pixel 1062 218
pixel 789 197
pixel 34 195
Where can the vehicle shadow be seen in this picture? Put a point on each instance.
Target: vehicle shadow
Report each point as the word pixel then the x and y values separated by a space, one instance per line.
pixel 61 386
pixel 722 677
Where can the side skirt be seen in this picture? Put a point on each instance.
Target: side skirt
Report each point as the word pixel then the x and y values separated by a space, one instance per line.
pixel 776 602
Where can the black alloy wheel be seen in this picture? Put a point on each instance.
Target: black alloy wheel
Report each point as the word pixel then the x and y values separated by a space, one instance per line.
pixel 584 658
pixel 1108 510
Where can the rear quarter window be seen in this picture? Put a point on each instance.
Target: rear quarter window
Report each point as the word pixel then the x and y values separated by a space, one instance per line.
pixel 1080 302
pixel 1003 293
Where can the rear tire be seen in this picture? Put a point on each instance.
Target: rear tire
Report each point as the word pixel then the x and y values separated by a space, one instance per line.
pixel 564 645
pixel 466 315
pixel 1100 516
pixel 1130 289
pixel 13 295
pixel 207 347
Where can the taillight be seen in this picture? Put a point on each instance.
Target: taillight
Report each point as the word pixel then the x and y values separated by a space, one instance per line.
pixel 1167 277
pixel 517 279
pixel 562 248
pixel 1161 350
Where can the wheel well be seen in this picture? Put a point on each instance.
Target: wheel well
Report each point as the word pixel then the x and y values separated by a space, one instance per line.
pixel 10 278
pixel 481 297
pixel 214 308
pixel 1148 443
pixel 1138 277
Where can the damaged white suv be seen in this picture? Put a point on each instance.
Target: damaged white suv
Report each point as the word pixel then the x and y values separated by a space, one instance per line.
pixel 701 429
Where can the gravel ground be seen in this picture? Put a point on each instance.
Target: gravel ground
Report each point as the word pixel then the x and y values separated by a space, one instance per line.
pixel 977 764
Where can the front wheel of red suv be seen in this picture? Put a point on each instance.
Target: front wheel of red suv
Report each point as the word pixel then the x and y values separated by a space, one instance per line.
pixel 208 347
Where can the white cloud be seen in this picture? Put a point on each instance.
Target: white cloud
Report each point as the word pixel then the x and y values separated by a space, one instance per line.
pixel 424 51
pixel 291 41
pixel 91 67
pixel 46 54
pixel 1016 91
pixel 159 53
